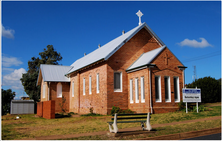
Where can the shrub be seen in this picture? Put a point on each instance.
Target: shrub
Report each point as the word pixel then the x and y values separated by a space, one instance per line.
pixel 181 105
pixel 210 89
pixel 117 110
pixel 201 108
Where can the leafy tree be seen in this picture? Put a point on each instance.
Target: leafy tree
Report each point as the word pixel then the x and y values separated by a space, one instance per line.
pixel 29 79
pixel 7 96
pixel 210 89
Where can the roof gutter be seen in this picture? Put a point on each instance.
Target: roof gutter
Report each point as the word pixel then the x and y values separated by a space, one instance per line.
pixel 84 67
pixel 140 68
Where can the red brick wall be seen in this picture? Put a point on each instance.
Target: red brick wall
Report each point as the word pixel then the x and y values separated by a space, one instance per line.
pixel 141 107
pixel 163 70
pixel 65 93
pixel 40 109
pixel 98 101
pixel 74 101
pixel 49 109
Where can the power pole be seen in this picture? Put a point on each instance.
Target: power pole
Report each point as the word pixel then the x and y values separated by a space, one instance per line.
pixel 194 74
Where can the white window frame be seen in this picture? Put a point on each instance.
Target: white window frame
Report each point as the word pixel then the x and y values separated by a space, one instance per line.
pixel 59 90
pixel 43 95
pixel 142 89
pixel 178 89
pixel 90 84
pixel 169 89
pixel 136 90
pixel 131 90
pixel 84 86
pixel 159 90
pixel 97 83
pixel 118 90
pixel 73 88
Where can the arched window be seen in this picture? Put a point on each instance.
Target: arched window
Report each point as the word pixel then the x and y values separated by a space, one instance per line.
pixel 59 90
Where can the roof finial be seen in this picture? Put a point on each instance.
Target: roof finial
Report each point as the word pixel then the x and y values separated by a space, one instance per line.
pixel 139 14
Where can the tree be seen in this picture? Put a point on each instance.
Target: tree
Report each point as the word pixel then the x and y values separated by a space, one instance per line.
pixel 7 96
pixel 210 89
pixel 29 79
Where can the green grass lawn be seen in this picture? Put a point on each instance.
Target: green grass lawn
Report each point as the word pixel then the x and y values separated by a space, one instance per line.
pixel 30 127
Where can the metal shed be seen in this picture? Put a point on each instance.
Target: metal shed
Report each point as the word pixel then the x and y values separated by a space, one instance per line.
pixel 22 107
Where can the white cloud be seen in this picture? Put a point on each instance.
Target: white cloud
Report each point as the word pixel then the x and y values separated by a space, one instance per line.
pixel 13 79
pixel 8 33
pixel 193 43
pixel 10 61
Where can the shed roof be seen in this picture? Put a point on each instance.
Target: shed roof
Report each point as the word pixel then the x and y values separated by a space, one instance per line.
pixel 53 73
pixel 146 58
pixel 106 51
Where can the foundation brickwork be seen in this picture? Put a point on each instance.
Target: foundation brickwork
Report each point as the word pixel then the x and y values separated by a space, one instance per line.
pixel 49 109
pixel 40 109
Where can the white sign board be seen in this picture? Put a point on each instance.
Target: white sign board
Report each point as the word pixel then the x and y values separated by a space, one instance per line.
pixel 191 95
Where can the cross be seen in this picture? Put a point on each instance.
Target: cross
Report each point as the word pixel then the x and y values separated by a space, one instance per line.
pixel 139 14
pixel 166 59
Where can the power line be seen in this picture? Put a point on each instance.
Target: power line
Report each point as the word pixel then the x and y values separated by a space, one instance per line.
pixel 203 56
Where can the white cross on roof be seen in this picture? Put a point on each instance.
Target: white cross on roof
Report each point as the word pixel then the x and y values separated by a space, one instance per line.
pixel 139 14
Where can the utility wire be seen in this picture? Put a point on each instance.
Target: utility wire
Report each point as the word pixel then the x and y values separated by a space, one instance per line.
pixel 203 56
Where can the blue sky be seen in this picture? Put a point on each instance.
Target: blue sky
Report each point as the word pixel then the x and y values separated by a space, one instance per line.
pixel 191 30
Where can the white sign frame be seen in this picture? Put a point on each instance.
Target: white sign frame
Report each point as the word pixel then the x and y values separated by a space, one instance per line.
pixel 191 95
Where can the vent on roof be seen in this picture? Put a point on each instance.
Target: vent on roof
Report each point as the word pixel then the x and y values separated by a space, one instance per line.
pixel 99 45
pixel 123 32
pixel 84 54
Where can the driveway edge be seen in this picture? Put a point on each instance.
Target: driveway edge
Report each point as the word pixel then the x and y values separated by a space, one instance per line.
pixel 185 135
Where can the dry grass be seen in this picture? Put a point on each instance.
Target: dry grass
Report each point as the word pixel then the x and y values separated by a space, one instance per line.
pixel 180 128
pixel 30 126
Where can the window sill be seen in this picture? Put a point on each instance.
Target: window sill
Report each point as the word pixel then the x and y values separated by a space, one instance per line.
pixel 118 90
pixel 137 101
pixel 168 101
pixel 131 101
pixel 143 101
pixel 158 101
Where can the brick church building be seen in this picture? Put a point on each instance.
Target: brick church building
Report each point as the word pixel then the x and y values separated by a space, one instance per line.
pixel 135 71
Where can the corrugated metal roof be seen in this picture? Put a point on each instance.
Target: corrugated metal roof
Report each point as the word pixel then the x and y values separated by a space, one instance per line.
pixel 146 58
pixel 54 73
pixel 104 52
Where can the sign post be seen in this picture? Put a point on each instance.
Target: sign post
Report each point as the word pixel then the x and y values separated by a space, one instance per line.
pixel 192 95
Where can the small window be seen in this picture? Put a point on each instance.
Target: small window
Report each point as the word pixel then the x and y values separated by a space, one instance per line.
pixel 84 86
pixel 118 82
pixel 136 90
pixel 90 85
pixel 157 89
pixel 167 89
pixel 131 90
pixel 59 90
pixel 43 90
pixel 73 88
pixel 142 89
pixel 176 89
pixel 97 83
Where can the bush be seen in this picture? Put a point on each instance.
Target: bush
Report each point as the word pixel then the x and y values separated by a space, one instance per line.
pixel 181 105
pixel 210 89
pixel 117 110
